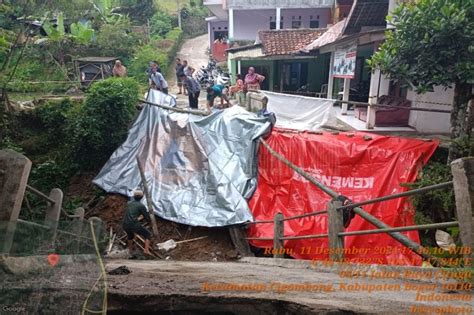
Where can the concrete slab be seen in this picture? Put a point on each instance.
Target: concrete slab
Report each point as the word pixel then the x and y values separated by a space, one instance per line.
pixel 359 125
pixel 312 291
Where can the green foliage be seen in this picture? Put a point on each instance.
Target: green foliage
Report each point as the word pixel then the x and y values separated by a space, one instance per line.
pixel 117 40
pixel 193 18
pixel 55 33
pixel 54 117
pixel 102 124
pixel 437 205
pixel 142 58
pixel 48 175
pixel 174 34
pixel 138 11
pixel 105 10
pixel 431 45
pixel 161 23
pixel 82 32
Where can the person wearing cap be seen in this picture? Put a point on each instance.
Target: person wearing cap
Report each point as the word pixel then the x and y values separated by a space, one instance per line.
pixel 132 226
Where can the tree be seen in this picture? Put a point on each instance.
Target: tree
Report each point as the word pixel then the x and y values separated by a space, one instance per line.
pixel 432 45
pixel 58 40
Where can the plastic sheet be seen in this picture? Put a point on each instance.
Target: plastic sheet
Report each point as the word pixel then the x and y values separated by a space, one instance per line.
pixel 300 112
pixel 157 97
pixel 200 170
pixel 352 166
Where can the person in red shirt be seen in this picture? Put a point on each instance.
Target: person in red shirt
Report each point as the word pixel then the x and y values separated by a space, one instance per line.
pixel 252 80
pixel 239 90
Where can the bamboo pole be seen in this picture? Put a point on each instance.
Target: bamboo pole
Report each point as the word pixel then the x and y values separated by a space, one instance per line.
pixel 148 198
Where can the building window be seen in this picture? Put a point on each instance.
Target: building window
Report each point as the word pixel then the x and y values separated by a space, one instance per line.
pixel 273 25
pixel 313 24
pixel 296 24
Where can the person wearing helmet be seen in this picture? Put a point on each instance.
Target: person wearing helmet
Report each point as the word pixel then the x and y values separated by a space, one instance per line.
pixel 132 226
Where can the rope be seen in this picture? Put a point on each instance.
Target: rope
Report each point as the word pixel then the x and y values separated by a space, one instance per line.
pixel 102 276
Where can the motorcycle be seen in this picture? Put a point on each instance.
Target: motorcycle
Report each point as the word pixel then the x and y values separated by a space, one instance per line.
pixel 212 74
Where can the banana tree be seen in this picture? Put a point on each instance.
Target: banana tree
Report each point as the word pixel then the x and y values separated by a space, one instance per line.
pixel 57 39
pixel 105 9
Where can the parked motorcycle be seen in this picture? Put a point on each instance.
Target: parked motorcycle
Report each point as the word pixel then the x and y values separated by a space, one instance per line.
pixel 212 74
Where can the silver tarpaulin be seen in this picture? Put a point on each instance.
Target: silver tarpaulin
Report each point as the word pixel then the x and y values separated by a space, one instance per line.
pixel 199 170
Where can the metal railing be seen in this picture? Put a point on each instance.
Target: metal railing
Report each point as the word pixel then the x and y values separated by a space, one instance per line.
pixel 336 231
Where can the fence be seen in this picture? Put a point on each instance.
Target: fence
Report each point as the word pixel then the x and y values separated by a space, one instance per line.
pixel 14 173
pixel 463 174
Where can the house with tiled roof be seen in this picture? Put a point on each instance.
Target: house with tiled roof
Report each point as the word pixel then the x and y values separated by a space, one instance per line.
pixel 276 55
pixel 240 20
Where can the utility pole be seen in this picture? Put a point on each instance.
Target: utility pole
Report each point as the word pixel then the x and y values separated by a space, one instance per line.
pixel 179 13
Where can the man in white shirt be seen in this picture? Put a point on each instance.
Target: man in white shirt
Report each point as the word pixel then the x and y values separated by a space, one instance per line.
pixel 157 81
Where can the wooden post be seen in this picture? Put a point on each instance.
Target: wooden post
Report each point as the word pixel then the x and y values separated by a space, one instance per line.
pixel 345 95
pixel 97 224
pixel 148 198
pixel 77 227
pixel 238 237
pixel 14 171
pixel 278 232
pixel 463 182
pixel 53 211
pixel 335 226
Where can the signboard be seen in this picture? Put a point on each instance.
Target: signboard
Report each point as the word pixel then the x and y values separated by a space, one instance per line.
pixel 345 62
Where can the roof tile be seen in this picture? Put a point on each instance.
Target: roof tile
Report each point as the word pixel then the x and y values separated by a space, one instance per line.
pixel 285 42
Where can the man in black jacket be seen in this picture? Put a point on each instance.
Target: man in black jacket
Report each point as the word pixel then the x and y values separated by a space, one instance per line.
pixel 132 226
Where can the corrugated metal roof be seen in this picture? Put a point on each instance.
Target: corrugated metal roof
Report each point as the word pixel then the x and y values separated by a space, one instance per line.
pixel 330 36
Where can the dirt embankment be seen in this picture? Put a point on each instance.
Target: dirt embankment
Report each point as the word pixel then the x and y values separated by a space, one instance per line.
pixel 217 246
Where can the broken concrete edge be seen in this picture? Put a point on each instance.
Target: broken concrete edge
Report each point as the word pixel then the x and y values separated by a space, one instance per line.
pixel 27 264
pixel 354 270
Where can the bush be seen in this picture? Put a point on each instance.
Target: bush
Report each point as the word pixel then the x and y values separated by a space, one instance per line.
pixel 161 23
pixel 141 61
pixel 194 19
pixel 174 34
pixel 117 40
pixel 53 116
pixel 102 123
pixel 434 206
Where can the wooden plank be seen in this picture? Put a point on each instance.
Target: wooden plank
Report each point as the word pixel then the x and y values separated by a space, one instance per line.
pixel 463 183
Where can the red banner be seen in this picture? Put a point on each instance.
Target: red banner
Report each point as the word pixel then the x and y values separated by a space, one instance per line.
pixel 360 166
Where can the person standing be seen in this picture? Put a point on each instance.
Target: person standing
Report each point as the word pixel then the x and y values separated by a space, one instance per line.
pixel 119 69
pixel 238 89
pixel 252 80
pixel 188 70
pixel 179 72
pixel 157 81
pixel 132 226
pixel 193 88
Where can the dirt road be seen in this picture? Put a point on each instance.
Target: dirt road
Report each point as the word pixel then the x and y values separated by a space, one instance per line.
pixel 193 50
pixel 258 288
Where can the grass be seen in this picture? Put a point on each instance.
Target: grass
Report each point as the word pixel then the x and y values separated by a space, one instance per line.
pixel 170 5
